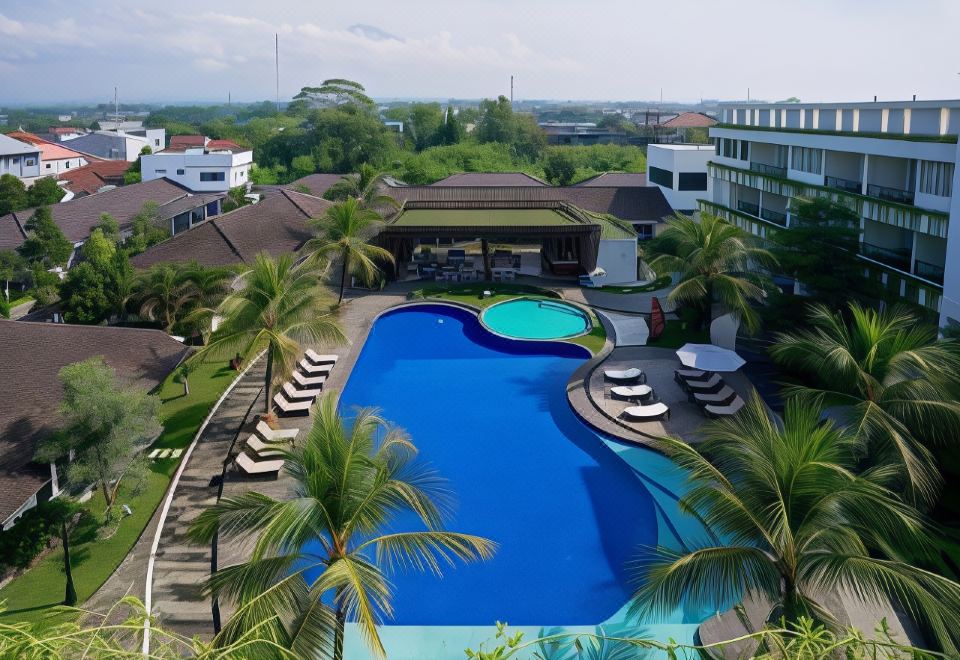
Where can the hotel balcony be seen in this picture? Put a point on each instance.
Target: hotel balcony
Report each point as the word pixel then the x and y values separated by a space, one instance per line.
pixel 890 194
pixel 769 170
pixel 847 185
pixel 774 216
pixel 898 258
pixel 748 207
pixel 927 271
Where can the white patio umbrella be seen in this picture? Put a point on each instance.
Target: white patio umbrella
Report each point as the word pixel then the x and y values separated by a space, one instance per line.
pixel 709 357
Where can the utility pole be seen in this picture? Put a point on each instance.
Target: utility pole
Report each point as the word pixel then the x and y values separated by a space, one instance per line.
pixel 276 54
pixel 116 107
pixel 511 90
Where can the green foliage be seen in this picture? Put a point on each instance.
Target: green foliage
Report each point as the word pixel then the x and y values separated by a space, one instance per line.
pixel 147 229
pixel 236 198
pixel 13 194
pixel 336 92
pixel 558 167
pixel 105 422
pixel 44 191
pixel 424 123
pixel 84 294
pixel 336 461
pixel 20 544
pixel 109 226
pixel 343 138
pixel 301 166
pixel 182 295
pixel 496 122
pixel 267 176
pixel 45 243
pixel 798 523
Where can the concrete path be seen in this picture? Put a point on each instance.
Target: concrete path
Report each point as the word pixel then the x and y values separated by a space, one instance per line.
pixel 631 330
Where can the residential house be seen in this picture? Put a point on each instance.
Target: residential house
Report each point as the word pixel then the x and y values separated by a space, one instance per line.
pixel 118 145
pixel 680 171
pixel 95 177
pixel 54 158
pixel 200 164
pixel 31 357
pixel 20 159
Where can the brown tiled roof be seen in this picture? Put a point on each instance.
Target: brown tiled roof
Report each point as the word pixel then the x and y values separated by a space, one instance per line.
pixel 317 184
pixel 690 120
pixel 78 216
pixel 616 179
pixel 31 356
pixel 62 130
pixel 630 203
pixel 184 141
pixel 276 225
pixel 490 179
pixel 91 178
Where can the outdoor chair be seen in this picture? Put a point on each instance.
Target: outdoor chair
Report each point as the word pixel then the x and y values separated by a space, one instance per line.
pixel 273 435
pixel 713 384
pixel 307 381
pixel 265 449
pixel 314 369
pixel 292 407
pixel 629 392
pixel 682 376
pixel 249 466
pixel 625 376
pixel 728 410
pixel 721 398
pixel 647 413
pixel 315 358
pixel 294 394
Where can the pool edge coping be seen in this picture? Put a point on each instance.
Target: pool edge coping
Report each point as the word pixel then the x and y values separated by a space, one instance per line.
pixel 565 338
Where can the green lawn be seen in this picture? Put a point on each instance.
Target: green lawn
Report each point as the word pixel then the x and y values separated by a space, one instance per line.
pixel 656 285
pixel 675 336
pixel 94 559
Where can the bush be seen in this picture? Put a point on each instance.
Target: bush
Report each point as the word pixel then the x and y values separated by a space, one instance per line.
pixel 20 544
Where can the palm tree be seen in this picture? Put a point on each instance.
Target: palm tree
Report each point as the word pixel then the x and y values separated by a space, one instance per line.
pixel 890 378
pixel 799 524
pixel 207 286
pixel 718 262
pixel 342 235
pixel 279 308
pixel 163 294
pixel 362 186
pixel 349 482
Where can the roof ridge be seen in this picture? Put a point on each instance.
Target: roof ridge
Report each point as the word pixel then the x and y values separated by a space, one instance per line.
pixel 114 328
pixel 226 238
pixel 286 193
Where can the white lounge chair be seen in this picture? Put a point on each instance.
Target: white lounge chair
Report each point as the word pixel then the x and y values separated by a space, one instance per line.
pixel 653 411
pixel 713 384
pixel 624 376
pixel 250 466
pixel 308 381
pixel 273 435
pixel 683 376
pixel 314 369
pixel 293 393
pixel 631 391
pixel 731 408
pixel 263 448
pixel 154 454
pixel 725 395
pixel 290 407
pixel 320 359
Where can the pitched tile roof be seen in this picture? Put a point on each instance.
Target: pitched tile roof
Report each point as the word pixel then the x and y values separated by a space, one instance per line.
pixel 690 120
pixel 183 141
pixel 31 356
pixel 48 150
pixel 317 184
pixel 490 179
pixel 276 225
pixel 77 217
pixel 92 177
pixel 62 130
pixel 616 179
pixel 179 143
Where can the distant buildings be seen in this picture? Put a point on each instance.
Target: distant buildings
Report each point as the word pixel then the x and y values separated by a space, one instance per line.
pixel 575 133
pixel 893 163
pixel 118 145
pixel 20 159
pixel 680 171
pixel 200 164
pixel 55 158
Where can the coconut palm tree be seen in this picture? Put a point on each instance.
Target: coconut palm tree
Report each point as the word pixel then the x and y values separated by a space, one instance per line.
pixel 362 186
pixel 798 524
pixel 718 262
pixel 890 378
pixel 279 308
pixel 350 481
pixel 163 294
pixel 343 235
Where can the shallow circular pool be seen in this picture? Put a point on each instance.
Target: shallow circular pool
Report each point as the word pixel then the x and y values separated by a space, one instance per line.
pixel 529 318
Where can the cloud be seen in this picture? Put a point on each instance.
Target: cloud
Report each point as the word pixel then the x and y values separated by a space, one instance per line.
pixel 371 32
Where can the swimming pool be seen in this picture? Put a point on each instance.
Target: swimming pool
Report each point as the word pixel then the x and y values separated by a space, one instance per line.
pixel 529 318
pixel 569 507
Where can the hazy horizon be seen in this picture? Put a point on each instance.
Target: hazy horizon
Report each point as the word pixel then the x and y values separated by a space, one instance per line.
pixel 59 52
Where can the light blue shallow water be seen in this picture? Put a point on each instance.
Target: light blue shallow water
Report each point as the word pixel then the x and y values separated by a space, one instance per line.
pixel 491 415
pixel 525 318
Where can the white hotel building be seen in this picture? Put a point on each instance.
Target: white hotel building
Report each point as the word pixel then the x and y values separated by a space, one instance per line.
pixel 894 163
pixel 213 166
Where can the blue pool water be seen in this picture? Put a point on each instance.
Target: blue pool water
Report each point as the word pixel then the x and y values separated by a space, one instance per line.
pixel 526 318
pixel 491 415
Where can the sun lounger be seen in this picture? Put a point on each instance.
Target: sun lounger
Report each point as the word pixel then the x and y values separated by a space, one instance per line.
pixel 683 376
pixel 314 369
pixel 723 397
pixel 290 407
pixel 728 410
pixel 309 381
pixel 714 384
pixel 273 435
pixel 631 391
pixel 250 466
pixel 624 376
pixel 293 393
pixel 154 454
pixel 320 359
pixel 263 448
pixel 165 453
pixel 176 453
pixel 653 411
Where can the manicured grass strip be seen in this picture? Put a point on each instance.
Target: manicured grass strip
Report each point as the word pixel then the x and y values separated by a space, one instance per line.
pixel 675 336
pixel 470 292
pixel 595 339
pixel 94 559
pixel 656 285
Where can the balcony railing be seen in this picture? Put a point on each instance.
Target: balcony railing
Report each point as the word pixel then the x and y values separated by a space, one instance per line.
pixel 890 194
pixel 774 216
pixel 748 207
pixel 899 258
pixel 771 170
pixel 928 271
pixel 843 184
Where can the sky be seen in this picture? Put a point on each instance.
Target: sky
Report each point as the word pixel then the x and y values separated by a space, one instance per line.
pixel 75 51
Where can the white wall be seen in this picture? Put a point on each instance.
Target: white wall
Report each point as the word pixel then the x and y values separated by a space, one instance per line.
pixel 234 167
pixel 19 165
pixel 685 159
pixel 618 257
pixel 61 165
pixel 950 305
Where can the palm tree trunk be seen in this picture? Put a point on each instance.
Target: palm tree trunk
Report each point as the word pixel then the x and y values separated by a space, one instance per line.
pixel 343 276
pixel 268 382
pixel 70 597
pixel 485 249
pixel 338 634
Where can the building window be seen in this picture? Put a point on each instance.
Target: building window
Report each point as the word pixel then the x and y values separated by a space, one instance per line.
pixel 180 172
pixel 48 166
pixel 68 164
pixel 936 178
pixel 644 232
pixel 692 181
pixel 160 171
pixel 806 159
pixel 661 177
pixel 212 176
pixel 29 162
